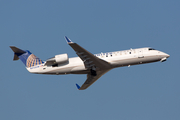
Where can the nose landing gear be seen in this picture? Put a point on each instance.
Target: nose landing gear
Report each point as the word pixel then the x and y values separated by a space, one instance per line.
pixel 163 59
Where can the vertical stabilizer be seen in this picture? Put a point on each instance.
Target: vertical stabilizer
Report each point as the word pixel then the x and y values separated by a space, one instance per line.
pixel 26 57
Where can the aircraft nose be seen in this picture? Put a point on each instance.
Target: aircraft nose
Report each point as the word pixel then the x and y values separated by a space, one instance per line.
pixel 166 55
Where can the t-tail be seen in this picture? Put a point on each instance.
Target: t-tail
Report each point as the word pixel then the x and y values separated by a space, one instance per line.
pixel 29 59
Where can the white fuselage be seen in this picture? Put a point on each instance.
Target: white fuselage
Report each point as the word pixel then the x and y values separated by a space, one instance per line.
pixel 116 59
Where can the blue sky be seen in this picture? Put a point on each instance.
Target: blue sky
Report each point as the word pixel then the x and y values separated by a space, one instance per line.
pixel 149 91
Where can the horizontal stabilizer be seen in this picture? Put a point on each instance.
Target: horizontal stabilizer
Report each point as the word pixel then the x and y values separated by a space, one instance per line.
pixel 17 52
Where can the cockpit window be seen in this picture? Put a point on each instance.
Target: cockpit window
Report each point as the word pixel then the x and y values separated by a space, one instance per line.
pixel 151 49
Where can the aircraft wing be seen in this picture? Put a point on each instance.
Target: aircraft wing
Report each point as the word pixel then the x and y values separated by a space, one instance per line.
pixel 91 62
pixel 88 58
pixel 91 79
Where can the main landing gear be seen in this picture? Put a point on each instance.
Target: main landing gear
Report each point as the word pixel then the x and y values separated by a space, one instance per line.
pixel 93 71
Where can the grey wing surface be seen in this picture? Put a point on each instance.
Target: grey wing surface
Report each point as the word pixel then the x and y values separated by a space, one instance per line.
pixel 95 65
pixel 91 79
pixel 88 58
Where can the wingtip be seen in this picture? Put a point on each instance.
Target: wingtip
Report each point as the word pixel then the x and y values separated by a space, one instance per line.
pixel 68 40
pixel 77 86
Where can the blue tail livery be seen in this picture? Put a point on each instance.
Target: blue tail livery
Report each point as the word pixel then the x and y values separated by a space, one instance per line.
pixel 26 57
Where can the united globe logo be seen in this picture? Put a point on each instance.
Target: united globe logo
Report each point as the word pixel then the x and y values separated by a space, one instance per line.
pixel 33 61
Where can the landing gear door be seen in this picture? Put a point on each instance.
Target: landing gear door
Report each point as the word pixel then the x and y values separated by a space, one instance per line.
pixel 140 54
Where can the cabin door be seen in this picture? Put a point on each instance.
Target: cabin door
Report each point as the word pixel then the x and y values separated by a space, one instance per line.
pixel 140 54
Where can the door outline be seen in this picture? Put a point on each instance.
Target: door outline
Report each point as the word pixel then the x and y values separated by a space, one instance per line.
pixel 140 54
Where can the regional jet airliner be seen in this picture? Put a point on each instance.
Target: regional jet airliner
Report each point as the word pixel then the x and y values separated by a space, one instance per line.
pixel 94 65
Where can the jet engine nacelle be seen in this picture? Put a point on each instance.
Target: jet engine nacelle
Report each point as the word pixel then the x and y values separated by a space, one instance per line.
pixel 61 58
pixel 58 59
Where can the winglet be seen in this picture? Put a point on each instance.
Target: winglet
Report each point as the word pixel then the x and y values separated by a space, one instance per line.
pixel 77 86
pixel 68 40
